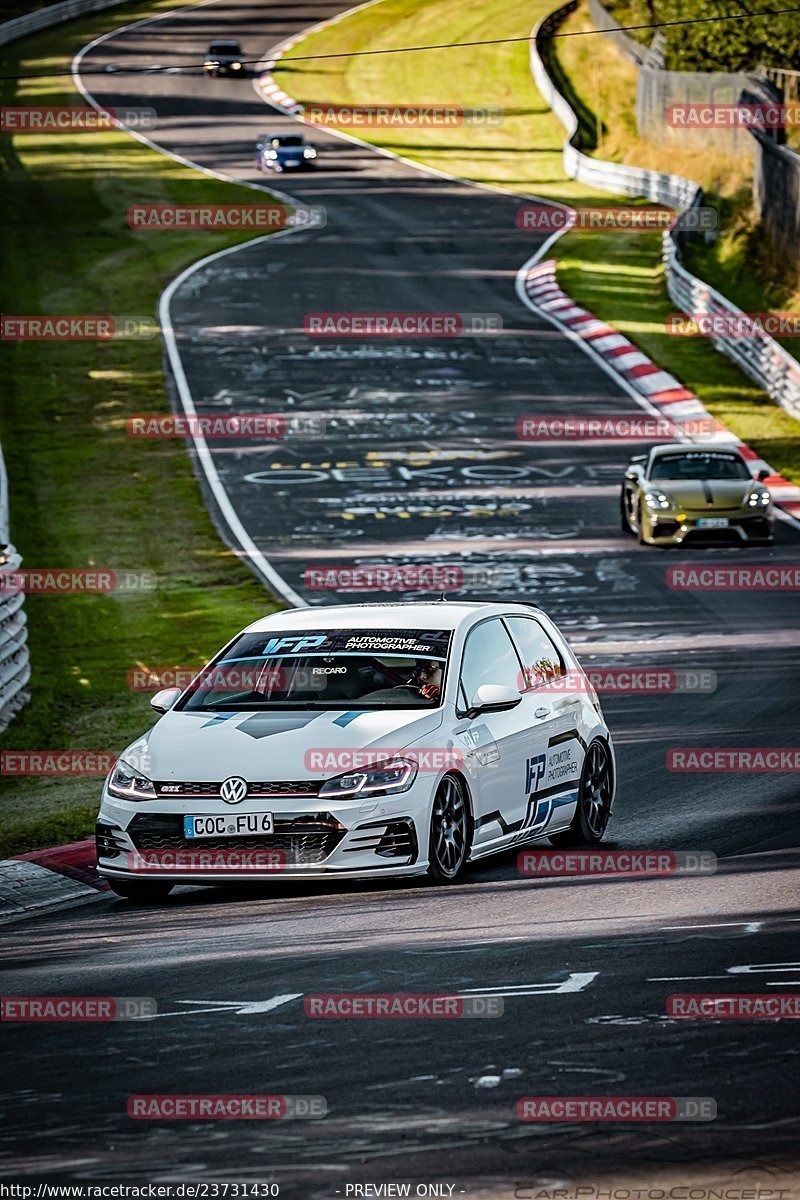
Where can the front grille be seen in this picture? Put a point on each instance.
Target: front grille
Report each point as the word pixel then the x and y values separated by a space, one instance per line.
pixel 304 839
pixel 258 789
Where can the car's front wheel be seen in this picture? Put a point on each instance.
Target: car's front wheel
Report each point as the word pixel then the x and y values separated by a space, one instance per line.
pixel 450 833
pixel 144 891
pixel 595 793
pixel 640 533
pixel 624 523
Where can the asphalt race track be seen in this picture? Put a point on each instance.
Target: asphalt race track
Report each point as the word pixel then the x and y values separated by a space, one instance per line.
pixel 420 462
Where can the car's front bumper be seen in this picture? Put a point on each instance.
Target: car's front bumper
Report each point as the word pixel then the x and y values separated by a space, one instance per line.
pixel 676 528
pixel 312 838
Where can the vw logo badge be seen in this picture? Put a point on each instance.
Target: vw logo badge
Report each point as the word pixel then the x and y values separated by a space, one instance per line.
pixel 233 790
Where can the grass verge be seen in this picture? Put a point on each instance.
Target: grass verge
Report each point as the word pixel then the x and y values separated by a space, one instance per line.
pixel 617 275
pixel 82 492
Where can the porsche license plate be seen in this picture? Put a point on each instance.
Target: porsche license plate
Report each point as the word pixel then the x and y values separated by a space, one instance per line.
pixel 228 825
pixel 712 523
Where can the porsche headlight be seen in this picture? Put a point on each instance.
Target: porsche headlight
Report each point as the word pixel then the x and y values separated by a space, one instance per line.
pixel 129 784
pixel 758 499
pixel 657 500
pixel 309 152
pixel 235 66
pixel 384 779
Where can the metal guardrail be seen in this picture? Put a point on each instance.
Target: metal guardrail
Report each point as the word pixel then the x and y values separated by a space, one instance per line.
pixel 758 354
pixel 53 14
pixel 15 670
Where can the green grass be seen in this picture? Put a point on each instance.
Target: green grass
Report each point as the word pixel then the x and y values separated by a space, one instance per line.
pixel 617 275
pixel 82 492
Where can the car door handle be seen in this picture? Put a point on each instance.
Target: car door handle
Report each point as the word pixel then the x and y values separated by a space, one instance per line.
pixel 541 712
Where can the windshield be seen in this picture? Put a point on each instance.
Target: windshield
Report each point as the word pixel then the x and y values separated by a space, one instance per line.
pixel 287 141
pixel 224 48
pixel 699 466
pixel 333 669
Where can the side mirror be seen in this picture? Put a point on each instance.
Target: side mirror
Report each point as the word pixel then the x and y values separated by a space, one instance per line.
pixel 163 701
pixel 493 697
pixel 762 474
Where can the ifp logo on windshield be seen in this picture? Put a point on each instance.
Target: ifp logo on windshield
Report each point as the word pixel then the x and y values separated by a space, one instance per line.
pixel 534 772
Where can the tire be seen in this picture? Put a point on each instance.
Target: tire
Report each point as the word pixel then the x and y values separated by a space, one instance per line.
pixel 593 810
pixel 640 525
pixel 144 891
pixel 625 524
pixel 450 832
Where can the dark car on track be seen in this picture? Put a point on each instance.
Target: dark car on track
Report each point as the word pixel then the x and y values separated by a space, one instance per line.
pixel 284 152
pixel 224 57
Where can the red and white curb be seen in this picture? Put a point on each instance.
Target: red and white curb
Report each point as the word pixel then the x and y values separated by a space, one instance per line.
pixel 654 387
pixel 36 883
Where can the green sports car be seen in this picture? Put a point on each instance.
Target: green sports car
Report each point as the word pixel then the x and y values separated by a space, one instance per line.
pixel 686 493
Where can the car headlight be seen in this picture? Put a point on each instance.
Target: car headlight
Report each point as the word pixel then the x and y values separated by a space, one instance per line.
pixel 386 779
pixel 657 500
pixel 309 152
pixel 129 784
pixel 271 154
pixel 236 66
pixel 758 499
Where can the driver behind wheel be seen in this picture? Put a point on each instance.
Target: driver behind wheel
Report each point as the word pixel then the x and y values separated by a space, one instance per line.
pixel 428 678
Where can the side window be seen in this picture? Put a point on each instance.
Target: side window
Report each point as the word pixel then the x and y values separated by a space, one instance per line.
pixel 489 657
pixel 541 660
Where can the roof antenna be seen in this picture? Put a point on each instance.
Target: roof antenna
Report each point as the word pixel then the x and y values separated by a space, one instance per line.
pixel 443 597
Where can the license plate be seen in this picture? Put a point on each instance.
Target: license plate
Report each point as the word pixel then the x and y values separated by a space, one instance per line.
pixel 712 523
pixel 228 825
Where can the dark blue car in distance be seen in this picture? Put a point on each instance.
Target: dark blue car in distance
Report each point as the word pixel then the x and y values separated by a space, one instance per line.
pixel 284 152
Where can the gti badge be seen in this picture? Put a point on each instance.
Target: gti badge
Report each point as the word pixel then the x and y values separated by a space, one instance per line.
pixel 233 790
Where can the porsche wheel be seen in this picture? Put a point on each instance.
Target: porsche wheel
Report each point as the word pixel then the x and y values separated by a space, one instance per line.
pixel 625 524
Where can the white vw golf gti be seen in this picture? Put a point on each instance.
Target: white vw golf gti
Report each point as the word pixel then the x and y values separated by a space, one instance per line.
pixel 366 740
